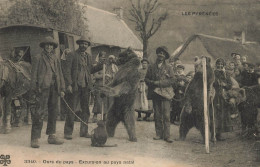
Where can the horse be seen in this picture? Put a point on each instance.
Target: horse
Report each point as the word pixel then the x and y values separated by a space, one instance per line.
pixel 14 82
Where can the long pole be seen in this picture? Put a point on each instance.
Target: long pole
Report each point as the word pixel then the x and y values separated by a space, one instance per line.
pixel 103 83
pixel 205 99
pixel 213 122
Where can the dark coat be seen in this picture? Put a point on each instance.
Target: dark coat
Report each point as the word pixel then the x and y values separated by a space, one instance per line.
pixel 72 69
pixel 158 77
pixel 248 79
pixel 222 84
pixel 42 72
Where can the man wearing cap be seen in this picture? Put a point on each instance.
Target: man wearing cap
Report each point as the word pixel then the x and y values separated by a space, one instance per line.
pixel 48 84
pixel 78 81
pixel 180 70
pixel 160 75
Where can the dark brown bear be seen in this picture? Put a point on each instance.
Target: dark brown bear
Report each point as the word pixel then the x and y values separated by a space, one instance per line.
pixel 192 112
pixel 247 100
pixel 123 89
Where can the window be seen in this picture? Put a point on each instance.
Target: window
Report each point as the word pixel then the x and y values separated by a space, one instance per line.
pixel 22 53
pixel 66 42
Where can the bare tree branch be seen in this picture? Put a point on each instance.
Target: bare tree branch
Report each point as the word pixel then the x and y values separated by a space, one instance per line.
pixel 138 12
pixel 141 14
pixel 158 24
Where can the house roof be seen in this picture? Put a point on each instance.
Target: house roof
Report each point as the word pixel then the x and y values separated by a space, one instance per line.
pixel 107 28
pixel 222 47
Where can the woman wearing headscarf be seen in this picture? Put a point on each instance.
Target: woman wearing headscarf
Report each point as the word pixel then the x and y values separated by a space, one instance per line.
pixel 222 109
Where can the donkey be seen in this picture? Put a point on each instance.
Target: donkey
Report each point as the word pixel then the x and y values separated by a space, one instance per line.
pixel 14 82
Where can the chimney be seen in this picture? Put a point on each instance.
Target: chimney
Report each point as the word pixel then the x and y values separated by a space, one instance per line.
pixel 120 12
pixel 240 36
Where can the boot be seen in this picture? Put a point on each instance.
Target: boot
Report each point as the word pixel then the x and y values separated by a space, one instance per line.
pixel 35 143
pixel 68 137
pixel 52 139
pixel 168 140
pixel 157 138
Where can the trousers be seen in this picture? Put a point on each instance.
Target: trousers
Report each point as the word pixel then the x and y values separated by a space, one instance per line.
pixel 82 96
pixel 162 109
pixel 47 106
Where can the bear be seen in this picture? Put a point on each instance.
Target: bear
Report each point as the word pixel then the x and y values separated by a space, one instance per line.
pixel 123 88
pixel 192 113
pixel 247 100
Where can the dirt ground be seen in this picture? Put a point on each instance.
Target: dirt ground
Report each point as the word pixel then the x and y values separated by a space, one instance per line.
pixel 233 152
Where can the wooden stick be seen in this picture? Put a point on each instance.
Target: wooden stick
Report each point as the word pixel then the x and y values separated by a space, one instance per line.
pixel 205 99
pixel 213 122
pixel 103 83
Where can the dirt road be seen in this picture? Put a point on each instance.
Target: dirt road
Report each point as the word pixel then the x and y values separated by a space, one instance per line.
pixel 146 152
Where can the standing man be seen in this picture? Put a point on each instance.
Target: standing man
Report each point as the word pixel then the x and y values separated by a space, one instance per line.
pixel 48 83
pixel 78 80
pixel 160 76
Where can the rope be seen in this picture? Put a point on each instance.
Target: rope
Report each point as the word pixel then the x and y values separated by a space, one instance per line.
pixel 74 112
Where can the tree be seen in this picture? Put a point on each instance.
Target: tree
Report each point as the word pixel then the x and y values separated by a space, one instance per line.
pixel 148 19
pixel 64 15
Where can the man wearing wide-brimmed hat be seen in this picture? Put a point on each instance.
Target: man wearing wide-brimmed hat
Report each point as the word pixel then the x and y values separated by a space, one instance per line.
pixel 78 81
pixel 160 77
pixel 48 84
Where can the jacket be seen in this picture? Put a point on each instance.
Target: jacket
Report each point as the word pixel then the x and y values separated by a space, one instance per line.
pixel 159 77
pixel 42 72
pixel 73 72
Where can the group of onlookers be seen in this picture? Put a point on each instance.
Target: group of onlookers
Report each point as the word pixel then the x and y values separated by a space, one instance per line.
pixel 161 89
pixel 233 73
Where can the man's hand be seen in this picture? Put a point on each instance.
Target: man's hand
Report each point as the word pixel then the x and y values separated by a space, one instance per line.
pixel 69 89
pixel 62 94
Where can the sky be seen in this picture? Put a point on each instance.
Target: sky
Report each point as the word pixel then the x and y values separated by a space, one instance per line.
pixel 232 16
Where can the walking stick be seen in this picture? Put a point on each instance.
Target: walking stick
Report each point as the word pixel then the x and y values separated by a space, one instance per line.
pixel 103 84
pixel 205 99
pixel 213 122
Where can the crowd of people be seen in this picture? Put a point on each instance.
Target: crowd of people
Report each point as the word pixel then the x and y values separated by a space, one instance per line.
pixel 160 91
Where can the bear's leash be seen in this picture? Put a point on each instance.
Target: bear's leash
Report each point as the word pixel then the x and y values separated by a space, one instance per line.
pixel 74 112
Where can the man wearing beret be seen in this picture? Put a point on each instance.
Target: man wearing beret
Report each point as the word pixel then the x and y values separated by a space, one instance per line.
pixel 48 84
pixel 160 75
pixel 78 81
